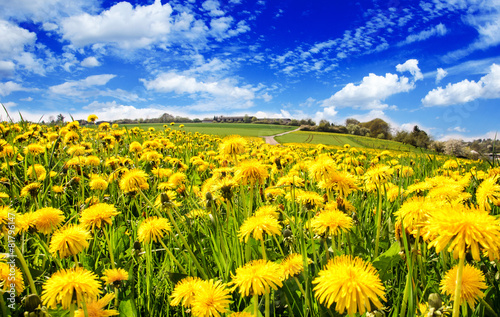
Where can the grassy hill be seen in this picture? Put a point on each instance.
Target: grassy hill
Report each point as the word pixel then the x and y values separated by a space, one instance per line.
pixel 260 130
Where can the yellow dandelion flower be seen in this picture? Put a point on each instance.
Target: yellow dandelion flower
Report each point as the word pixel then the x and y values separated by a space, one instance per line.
pixel 309 199
pixel 257 226
pixel 69 240
pixel 290 180
pixel 97 308
pixel 458 229
pixel 30 189
pixel 92 160
pixel 115 276
pixel 97 215
pixel 134 180
pixel 25 221
pixel 34 149
pixel 153 228
pixel 330 222
pixel 293 264
pixel 92 118
pixel 473 282
pixel 267 210
pixel 322 167
pixel 71 137
pixel 177 179
pixel 47 219
pixel 66 285
pixel 184 291
pixel 378 174
pixel 98 183
pixel 351 283
pixel 241 314
pixel 233 145
pixel 251 172
pixel 342 182
pixel 257 277
pixel 414 213
pixel 37 172
pixel 161 172
pixel 211 299
pixel 58 189
pixel 7 278
pixel 488 192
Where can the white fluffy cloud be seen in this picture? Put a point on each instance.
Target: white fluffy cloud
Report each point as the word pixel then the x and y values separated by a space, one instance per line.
pixel 14 40
pixel 6 68
pixel 121 25
pixel 77 88
pixel 90 62
pixel 411 66
pixel 440 74
pixel 370 92
pixel 9 87
pixel 488 87
pixel 180 84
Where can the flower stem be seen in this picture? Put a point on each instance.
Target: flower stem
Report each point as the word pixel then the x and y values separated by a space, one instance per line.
pixel 256 305
pixel 26 270
pixel 379 220
pixel 458 287
pixel 173 257
pixel 110 247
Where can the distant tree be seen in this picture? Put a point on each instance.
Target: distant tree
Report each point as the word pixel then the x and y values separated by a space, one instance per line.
pixel 454 147
pixel 378 126
pixel 324 126
pixel 60 119
pixel 437 146
pixel 354 129
pixel 349 121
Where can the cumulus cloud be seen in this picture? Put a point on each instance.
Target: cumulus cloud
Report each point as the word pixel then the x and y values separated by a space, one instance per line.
pixel 411 66
pixel 9 87
pixel 440 74
pixel 113 110
pixel 370 92
pixel 77 88
pixel 121 25
pixel 90 62
pixel 438 30
pixel 6 68
pixel 180 84
pixel 488 87
pixel 14 39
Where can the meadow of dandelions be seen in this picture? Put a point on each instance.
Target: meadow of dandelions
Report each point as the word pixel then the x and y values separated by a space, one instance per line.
pixel 104 220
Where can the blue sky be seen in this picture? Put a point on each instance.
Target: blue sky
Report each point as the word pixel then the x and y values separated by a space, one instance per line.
pixel 431 63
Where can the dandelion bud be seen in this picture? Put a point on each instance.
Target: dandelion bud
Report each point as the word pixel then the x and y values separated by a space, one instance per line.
pixel 435 301
pixel 137 246
pixel 287 233
pixel 32 302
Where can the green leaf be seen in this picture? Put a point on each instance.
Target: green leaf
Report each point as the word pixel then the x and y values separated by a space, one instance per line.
pixel 126 309
pixel 386 261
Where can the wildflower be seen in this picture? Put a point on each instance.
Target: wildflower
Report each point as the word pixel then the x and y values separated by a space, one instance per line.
pixel 71 137
pixel 322 167
pixel 7 277
pixel 92 118
pixel 290 180
pixel 233 145
pixel 309 199
pixel 58 189
pixel 37 171
pixel 47 219
pixel 211 299
pixel 257 277
pixel 257 226
pixel 69 240
pixel 330 222
pixel 378 174
pixel 184 291
pixel 342 182
pixel 153 228
pixel 92 160
pixel 488 192
pixel 30 189
pixel 268 210
pixel 458 228
pixel 115 276
pixel 66 285
pixel 133 181
pixel 7 214
pixel 176 179
pixel 472 283
pixel 98 183
pixel 161 172
pixel 251 172
pixel 414 213
pixel 135 147
pixel 97 215
pixel 25 221
pixel 292 265
pixel 34 149
pixel 96 308
pixel 351 283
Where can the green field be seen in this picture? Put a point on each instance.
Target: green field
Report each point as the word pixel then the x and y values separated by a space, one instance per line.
pixel 341 139
pixel 222 129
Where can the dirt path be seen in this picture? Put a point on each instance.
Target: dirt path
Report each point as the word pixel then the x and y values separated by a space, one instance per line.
pixel 270 139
